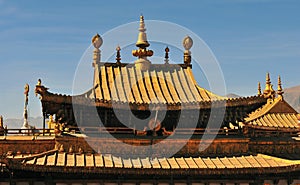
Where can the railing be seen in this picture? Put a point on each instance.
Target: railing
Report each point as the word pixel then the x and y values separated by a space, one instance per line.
pixel 28 132
pixel 116 130
pixel 178 131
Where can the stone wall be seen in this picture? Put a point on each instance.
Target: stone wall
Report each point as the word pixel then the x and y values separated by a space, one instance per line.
pixel 133 147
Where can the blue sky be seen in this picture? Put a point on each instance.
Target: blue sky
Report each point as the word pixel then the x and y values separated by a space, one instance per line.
pixel 46 39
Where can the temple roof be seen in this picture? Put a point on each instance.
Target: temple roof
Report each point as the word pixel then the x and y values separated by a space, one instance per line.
pixel 275 114
pixel 160 84
pixel 97 163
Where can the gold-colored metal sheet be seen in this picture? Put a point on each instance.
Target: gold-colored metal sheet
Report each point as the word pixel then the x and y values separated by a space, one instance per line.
pixel 142 87
pixel 61 159
pixel 104 84
pixel 178 87
pixel 163 85
pixel 150 89
pixel 99 160
pixel 127 85
pixel 185 86
pixel 80 160
pixel 89 160
pixel 156 87
pixel 119 84
pixel 70 160
pixel 172 87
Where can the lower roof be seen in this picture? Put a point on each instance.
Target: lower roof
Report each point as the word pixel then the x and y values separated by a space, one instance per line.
pixel 55 161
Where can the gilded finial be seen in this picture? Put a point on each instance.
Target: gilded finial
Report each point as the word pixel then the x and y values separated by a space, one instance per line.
pixel 269 91
pixel 167 55
pixel 118 56
pixel 142 38
pixel 97 42
pixel 279 88
pixel 259 89
pixel 187 44
pixel 39 83
pixel 142 53
pixel 268 83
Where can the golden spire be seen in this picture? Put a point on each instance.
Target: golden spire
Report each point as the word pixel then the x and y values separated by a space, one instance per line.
pixel 142 53
pixel 268 83
pixel 142 38
pixel 259 89
pixel 279 88
pixel 269 92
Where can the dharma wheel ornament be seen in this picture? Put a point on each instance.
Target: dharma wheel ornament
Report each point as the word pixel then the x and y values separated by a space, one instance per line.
pixel 187 44
pixel 97 43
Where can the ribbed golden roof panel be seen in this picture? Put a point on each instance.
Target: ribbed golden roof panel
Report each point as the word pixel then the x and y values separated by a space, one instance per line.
pixel 200 162
pixel 226 162
pixel 127 163
pixel 61 159
pixel 155 163
pixel 164 87
pixel 178 87
pixel 150 88
pixel 160 84
pixel 127 85
pixel 191 163
pixel 146 163
pixel 134 86
pixel 244 162
pixel 104 84
pixel 259 161
pixel 80 160
pixel 142 86
pixel 209 163
pixel 173 163
pixel 185 86
pixel 108 162
pixel 181 162
pixel 171 87
pixel 117 162
pixel 218 163
pixel 119 84
pixel 51 160
pixel 164 163
pixel 41 160
pixel 99 160
pixel 111 85
pixel 70 160
pixel 157 89
pixel 276 120
pixel 136 163
pixel 89 159
pixel 235 162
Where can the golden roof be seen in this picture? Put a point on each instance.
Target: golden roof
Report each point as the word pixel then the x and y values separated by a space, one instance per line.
pixel 160 84
pixel 275 113
pixel 54 160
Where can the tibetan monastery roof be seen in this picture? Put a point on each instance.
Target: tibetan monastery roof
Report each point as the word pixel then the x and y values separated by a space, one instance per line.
pixel 96 163
pixel 276 121
pixel 51 101
pixel 275 114
pixel 160 84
